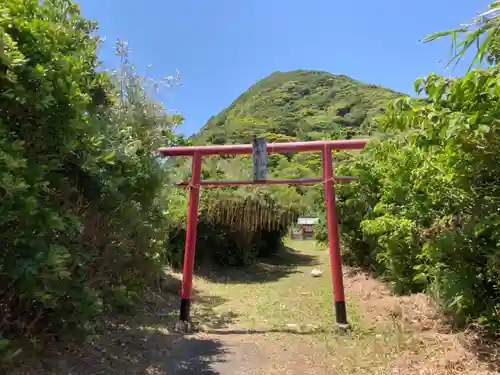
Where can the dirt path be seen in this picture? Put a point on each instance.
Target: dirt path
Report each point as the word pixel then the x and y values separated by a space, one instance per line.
pixel 277 319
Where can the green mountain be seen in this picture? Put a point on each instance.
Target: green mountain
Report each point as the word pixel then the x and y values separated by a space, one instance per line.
pixel 297 105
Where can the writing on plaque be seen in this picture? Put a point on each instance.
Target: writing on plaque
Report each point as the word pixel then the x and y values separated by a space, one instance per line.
pixel 259 158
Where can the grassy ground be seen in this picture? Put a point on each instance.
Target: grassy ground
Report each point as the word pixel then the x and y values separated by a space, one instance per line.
pixel 389 335
pixel 274 318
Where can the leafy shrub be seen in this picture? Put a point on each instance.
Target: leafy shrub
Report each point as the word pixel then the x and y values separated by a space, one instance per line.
pixel 398 250
pixel 423 211
pixel 81 194
pixel 354 204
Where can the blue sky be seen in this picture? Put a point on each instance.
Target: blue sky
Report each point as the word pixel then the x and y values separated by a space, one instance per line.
pixel 222 47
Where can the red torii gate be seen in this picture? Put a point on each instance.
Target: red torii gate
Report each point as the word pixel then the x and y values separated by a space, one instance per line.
pixel 325 147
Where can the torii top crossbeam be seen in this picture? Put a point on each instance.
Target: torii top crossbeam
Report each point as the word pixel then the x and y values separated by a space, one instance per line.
pixel 311 146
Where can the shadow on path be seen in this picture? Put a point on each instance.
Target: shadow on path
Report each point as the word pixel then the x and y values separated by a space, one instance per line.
pixel 290 331
pixel 136 351
pixel 283 264
pixel 143 344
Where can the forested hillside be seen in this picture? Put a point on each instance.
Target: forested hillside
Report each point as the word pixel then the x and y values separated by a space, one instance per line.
pixel 297 105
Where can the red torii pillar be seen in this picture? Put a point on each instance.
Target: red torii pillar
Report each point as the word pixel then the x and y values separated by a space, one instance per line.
pixel 328 180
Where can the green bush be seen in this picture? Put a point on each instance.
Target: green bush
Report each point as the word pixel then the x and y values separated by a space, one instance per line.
pixel 424 212
pixel 82 198
pixel 398 249
pixel 355 202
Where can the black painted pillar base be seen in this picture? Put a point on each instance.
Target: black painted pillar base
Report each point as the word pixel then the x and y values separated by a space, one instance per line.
pixel 341 315
pixel 185 309
pixel 183 325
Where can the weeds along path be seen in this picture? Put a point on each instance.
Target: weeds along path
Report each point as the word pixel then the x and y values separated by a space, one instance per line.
pixel 276 319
